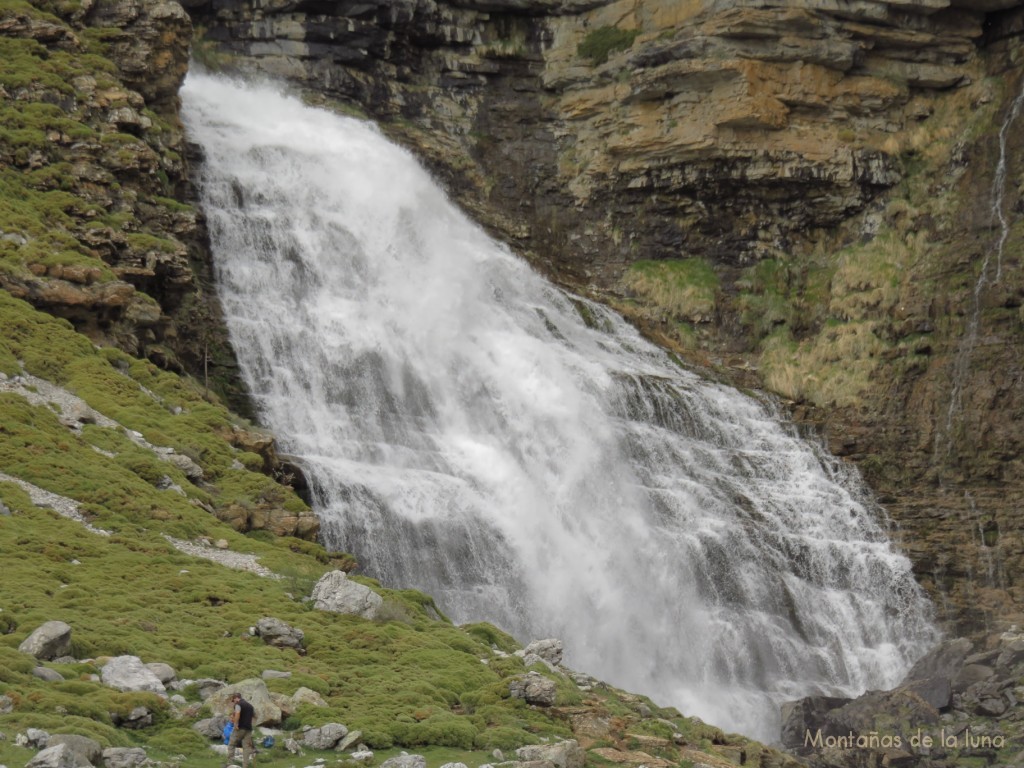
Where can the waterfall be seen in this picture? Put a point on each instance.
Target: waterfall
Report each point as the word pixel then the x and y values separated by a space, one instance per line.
pixel 522 454
pixel 965 350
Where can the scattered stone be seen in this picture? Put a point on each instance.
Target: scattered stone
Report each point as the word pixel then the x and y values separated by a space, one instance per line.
pixel 353 737
pixel 128 673
pixel 405 760
pixel 550 650
pixel 563 754
pixel 58 756
pixel 325 737
pixel 47 674
pixel 334 592
pixel 49 641
pixel 164 672
pixel 124 757
pixel 307 696
pixel 211 727
pixel 138 718
pixel 534 688
pixel 86 750
pixel 279 634
pixel 33 737
pixel 273 674
pixel 254 690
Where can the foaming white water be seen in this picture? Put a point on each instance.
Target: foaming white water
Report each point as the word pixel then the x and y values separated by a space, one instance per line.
pixel 522 454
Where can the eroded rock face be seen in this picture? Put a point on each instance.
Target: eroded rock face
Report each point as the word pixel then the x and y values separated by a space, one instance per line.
pixel 743 136
pixel 713 129
pixel 106 241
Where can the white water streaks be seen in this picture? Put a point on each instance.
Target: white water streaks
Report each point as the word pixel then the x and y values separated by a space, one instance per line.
pixel 522 454
pixel 965 351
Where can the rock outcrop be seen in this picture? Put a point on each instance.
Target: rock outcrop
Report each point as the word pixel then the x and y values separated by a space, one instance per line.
pixel 958 703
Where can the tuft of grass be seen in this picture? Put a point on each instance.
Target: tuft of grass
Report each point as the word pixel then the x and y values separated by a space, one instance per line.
pixel 602 42
pixel 684 288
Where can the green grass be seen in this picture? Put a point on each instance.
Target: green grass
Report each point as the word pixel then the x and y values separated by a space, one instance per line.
pixel 685 288
pixel 600 43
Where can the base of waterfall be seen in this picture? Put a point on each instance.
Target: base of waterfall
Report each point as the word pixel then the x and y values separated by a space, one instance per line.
pixel 962 700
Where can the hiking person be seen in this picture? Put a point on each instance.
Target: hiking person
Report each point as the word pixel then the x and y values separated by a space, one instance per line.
pixel 241 719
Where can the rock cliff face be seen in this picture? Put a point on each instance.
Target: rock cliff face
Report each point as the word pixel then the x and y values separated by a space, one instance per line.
pixel 802 193
pixel 92 166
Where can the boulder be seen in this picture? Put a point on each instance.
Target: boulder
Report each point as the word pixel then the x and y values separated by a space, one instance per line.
pixel 337 594
pixel 405 760
pixel 86 750
pixel 164 672
pixel 124 757
pixel 211 727
pixel 350 740
pixel 325 737
pixel 307 696
pixel 138 718
pixel 563 754
pixel 274 674
pixel 279 634
pixel 47 674
pixel 254 690
pixel 534 688
pixel 128 673
pixel 33 737
pixel 804 716
pixel 58 756
pixel 550 650
pixel 49 641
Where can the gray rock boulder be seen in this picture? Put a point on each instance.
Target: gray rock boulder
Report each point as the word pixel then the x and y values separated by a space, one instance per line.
pixel 337 594
pixel 128 673
pixel 125 757
pixel 138 718
pixel 86 750
pixel 349 741
pixel 164 672
pixel 279 634
pixel 212 727
pixel 325 737
pixel 563 754
pixel 254 690
pixel 307 696
pixel 550 650
pixel 33 737
pixel 57 756
pixel 47 674
pixel 48 641
pixel 405 761
pixel 534 688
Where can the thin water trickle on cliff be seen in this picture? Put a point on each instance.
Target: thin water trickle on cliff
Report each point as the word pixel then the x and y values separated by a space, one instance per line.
pixel 522 454
pixel 944 438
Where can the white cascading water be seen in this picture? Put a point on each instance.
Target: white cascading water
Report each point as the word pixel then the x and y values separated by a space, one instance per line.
pixel 522 454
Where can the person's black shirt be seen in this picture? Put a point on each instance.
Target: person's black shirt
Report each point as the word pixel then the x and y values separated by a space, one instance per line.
pixel 245 713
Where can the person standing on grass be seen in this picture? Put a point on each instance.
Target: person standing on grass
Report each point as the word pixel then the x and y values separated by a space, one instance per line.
pixel 241 719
